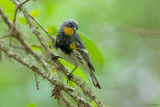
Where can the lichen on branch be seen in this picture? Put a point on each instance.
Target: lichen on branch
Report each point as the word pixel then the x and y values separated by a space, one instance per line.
pixel 79 92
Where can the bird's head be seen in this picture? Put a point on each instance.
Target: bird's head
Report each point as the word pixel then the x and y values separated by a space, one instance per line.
pixel 69 27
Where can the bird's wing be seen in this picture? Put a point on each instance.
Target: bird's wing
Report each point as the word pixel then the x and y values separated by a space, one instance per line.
pixel 86 57
pixel 81 48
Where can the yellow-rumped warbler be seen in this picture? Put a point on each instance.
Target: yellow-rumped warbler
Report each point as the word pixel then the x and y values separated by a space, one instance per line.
pixel 72 49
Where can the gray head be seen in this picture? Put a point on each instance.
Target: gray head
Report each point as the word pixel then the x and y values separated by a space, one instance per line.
pixel 70 23
pixel 69 27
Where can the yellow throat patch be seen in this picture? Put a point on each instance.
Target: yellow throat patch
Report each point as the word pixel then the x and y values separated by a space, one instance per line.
pixel 68 31
pixel 73 46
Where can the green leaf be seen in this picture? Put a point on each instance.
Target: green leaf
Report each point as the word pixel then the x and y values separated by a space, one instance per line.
pixel 94 103
pixel 52 30
pixel 31 105
pixel 35 12
pixel 94 52
pixel 22 20
pixel 78 71
pixel 36 48
pixel 8 7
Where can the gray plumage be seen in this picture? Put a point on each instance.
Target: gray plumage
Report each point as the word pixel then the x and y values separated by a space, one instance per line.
pixel 80 56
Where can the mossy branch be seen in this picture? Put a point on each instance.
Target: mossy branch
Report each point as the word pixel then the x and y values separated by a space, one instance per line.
pixel 70 91
pixel 44 58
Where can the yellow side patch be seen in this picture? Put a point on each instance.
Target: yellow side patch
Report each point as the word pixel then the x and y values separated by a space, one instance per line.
pixel 68 31
pixel 73 46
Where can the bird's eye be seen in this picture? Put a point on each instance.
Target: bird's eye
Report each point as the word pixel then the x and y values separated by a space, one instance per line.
pixel 70 24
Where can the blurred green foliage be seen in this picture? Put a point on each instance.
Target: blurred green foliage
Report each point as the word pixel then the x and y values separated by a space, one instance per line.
pixel 8 8
pixel 31 105
pixel 122 37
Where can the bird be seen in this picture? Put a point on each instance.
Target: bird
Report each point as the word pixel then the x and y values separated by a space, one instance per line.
pixel 72 49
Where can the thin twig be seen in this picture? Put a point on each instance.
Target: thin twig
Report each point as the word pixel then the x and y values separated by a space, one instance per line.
pixel 14 21
pixel 11 31
pixel 17 46
pixel 53 39
pixel 24 2
pixel 21 47
pixel 68 104
pixel 37 83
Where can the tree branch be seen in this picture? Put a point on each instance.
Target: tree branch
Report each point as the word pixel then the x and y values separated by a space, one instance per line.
pixel 32 27
pixel 63 86
pixel 51 37
pixel 14 20
pixel 86 90
pixel 19 36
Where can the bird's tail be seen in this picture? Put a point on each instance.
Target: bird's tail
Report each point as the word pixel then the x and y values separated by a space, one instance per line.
pixel 94 79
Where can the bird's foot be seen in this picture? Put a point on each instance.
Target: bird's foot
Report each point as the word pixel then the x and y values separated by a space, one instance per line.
pixel 69 76
pixel 54 57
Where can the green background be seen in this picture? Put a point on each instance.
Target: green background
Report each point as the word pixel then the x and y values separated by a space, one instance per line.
pixel 127 61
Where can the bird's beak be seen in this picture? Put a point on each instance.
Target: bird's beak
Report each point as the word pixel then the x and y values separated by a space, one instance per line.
pixel 75 29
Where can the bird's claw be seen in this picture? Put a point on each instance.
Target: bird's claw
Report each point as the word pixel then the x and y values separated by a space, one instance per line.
pixel 69 76
pixel 53 57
